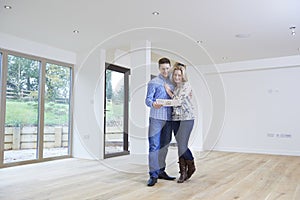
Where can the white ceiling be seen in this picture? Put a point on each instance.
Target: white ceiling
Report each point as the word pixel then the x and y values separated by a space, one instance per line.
pixel 174 32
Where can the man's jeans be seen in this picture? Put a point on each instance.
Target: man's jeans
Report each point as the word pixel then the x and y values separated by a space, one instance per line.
pixel 159 136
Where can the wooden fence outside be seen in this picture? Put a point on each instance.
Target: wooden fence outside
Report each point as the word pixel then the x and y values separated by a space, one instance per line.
pixel 28 95
pixel 17 138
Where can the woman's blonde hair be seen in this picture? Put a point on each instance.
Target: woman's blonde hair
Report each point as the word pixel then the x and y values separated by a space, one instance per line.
pixel 182 68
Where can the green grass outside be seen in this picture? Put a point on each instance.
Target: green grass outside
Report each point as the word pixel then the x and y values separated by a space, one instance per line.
pixel 114 111
pixel 19 113
pixel 26 113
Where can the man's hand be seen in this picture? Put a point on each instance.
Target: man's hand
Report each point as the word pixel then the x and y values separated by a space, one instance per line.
pixel 156 105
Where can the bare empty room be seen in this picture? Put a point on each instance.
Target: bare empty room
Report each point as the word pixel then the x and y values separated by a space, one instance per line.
pixel 149 99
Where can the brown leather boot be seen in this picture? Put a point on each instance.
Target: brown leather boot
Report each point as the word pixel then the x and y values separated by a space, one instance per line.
pixel 190 168
pixel 183 169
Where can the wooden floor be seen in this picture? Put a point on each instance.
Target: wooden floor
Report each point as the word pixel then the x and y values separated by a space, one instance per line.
pixel 219 175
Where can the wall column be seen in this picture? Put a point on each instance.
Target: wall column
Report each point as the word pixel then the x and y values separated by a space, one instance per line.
pixel 139 112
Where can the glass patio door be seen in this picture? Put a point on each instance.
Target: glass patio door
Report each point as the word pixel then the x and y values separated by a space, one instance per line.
pixel 22 108
pixel 116 111
pixel 36 111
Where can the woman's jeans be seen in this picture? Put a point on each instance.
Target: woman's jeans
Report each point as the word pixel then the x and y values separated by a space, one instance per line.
pixel 182 132
pixel 159 136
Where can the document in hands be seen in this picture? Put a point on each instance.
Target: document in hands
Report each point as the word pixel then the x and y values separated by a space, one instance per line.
pixel 168 102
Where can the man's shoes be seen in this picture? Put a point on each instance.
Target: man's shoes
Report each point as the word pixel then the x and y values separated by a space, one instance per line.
pixel 165 176
pixel 152 181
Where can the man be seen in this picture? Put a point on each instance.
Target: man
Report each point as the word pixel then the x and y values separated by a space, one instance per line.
pixel 160 124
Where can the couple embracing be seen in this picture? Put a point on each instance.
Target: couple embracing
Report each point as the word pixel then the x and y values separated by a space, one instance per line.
pixel 171 83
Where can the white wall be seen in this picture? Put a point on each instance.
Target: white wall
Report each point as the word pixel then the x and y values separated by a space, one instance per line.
pixel 89 105
pixel 262 106
pixel 140 74
pixel 37 49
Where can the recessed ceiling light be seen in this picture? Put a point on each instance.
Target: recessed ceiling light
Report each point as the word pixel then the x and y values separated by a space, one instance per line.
pixel 155 13
pixel 76 31
pixel 242 35
pixel 7 7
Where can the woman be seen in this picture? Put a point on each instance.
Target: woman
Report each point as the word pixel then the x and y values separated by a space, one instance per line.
pixel 183 120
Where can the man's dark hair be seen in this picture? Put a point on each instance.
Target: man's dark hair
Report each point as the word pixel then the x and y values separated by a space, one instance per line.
pixel 164 61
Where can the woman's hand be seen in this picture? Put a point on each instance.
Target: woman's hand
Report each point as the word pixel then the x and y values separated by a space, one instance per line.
pixel 168 90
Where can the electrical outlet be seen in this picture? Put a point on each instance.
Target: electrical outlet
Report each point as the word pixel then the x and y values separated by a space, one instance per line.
pixel 279 135
pixel 285 135
pixel 270 134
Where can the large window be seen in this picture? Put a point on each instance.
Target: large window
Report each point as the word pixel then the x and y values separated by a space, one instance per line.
pixel 21 116
pixel 1 110
pixel 36 110
pixel 57 110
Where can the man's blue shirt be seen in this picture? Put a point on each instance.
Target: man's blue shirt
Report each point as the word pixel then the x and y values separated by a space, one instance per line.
pixel 156 90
